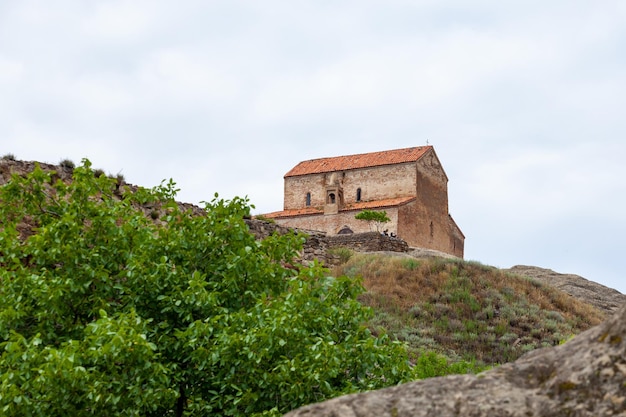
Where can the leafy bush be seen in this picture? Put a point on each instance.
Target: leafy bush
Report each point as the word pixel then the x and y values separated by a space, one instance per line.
pixel 431 364
pixel 105 312
pixel 8 157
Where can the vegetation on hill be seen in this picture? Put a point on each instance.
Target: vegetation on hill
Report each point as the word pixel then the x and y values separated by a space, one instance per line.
pixel 108 311
pixel 124 302
pixel 464 310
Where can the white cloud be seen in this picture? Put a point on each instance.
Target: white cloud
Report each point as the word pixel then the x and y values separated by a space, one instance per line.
pixel 120 20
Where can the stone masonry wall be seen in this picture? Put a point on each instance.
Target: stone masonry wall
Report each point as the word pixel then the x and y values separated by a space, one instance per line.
pixel 317 244
pixel 368 242
pixel 333 223
pixel 374 184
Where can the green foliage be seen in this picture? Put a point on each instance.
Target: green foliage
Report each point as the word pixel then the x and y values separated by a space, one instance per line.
pixel 8 157
pixel 106 312
pixel 431 364
pixel 374 218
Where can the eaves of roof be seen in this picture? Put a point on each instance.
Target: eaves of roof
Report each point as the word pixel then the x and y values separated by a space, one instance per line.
pixel 361 205
pixel 308 211
pixel 364 160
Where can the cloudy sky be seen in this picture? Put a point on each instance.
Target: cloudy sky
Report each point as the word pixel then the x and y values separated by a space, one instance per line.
pixel 524 102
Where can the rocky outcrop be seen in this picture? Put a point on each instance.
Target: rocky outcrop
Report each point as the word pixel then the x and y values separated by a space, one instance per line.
pixel 585 377
pixel 606 299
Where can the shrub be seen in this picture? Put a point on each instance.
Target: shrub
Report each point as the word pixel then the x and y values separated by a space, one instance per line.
pixel 431 364
pixel 67 164
pixel 264 219
pixel 8 157
pixel 343 254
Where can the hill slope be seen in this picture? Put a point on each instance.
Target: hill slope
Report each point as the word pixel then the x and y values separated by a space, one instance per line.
pixel 466 310
pixel 605 298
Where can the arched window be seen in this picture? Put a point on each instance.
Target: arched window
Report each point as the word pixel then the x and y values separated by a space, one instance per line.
pixel 308 199
pixel 331 198
pixel 358 194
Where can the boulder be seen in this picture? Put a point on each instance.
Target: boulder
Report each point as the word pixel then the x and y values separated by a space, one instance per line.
pixel 604 298
pixel 583 377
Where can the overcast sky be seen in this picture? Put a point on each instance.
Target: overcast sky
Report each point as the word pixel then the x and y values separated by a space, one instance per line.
pixel 524 102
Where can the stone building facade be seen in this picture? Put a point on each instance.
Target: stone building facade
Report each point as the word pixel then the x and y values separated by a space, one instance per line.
pixel 409 184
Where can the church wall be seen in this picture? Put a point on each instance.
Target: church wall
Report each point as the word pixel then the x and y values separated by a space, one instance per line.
pixel 457 241
pixel 376 183
pixel 331 224
pixel 297 187
pixel 420 229
pixel 432 185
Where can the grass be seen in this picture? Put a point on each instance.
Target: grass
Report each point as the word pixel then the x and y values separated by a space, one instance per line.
pixel 465 311
pixel 342 254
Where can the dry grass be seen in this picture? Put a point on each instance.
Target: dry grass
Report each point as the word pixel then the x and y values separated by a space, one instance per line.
pixel 465 309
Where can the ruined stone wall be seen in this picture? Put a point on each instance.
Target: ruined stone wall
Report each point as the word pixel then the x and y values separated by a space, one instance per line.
pixel 368 242
pixel 315 246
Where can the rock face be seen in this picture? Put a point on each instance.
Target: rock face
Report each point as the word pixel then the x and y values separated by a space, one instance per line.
pixel 585 377
pixel 606 299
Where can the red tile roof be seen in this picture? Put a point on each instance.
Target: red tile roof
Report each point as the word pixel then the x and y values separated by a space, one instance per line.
pixel 388 202
pixel 295 212
pixel 362 205
pixel 364 160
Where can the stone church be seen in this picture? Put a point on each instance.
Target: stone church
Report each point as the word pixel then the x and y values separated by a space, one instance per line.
pixel 409 184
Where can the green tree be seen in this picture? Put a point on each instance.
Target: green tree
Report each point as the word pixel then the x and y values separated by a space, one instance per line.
pixel 107 311
pixel 375 218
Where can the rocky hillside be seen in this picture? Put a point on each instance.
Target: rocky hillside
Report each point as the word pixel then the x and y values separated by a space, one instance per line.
pixel 605 298
pixel 584 378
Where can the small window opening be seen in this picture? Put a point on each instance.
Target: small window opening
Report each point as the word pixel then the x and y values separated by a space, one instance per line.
pixel 308 199
pixel 358 194
pixel 432 229
pixel 331 198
